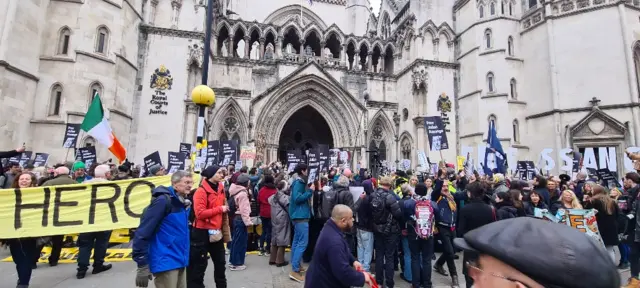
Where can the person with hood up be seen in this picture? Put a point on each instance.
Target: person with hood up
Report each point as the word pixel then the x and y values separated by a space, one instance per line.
pixel 499 184
pixel 241 220
pixel 80 172
pixel 300 213
pixel 167 217
pixel 280 225
pixel 364 225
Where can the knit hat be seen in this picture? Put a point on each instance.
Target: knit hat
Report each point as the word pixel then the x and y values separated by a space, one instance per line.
pixel 210 171
pixel 78 165
pixel 421 189
pixel 154 169
pixel 123 168
pixel 243 180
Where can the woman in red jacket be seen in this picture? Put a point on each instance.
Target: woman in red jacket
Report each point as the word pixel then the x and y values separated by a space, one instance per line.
pixel 267 190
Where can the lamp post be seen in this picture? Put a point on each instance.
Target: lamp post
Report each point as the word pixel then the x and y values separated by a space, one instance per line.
pixel 203 95
pixel 396 120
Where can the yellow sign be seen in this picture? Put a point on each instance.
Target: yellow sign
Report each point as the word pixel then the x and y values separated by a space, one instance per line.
pixel 460 160
pixel 72 209
pixel 70 255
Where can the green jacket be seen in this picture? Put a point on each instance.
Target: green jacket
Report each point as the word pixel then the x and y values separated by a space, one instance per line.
pixel 59 181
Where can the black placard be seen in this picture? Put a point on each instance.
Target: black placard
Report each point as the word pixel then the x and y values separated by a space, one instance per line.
pixel 608 178
pixel 23 159
pixel 293 158
pixel 176 161
pixel 436 133
pixel 313 162
pixel 526 170
pixel 71 135
pixel 213 151
pixel 87 155
pixel 40 159
pixel 151 160
pixel 186 148
pixel 323 156
pixel 228 153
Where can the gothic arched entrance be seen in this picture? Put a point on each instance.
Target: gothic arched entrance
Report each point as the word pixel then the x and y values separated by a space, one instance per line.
pixel 305 129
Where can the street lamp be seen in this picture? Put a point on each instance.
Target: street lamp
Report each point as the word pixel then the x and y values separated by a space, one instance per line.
pixel 203 96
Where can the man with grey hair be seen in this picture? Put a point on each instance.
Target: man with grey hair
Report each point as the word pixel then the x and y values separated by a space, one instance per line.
pixel 98 241
pixel 167 217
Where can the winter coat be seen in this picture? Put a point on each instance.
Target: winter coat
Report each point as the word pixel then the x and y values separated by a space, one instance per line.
pixel 529 207
pixel 343 194
pixel 299 206
pixel 409 211
pixel 331 265
pixel 162 238
pixel 280 222
pixel 392 207
pixel 500 187
pixel 474 215
pixel 505 210
pixel 60 180
pixel 263 200
pixel 241 197
pixel 607 224
pixel 207 205
pixel 363 208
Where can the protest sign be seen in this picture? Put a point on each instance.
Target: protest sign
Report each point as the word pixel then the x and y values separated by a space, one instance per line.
pixel 435 131
pixel 71 135
pixel 40 159
pixel 87 155
pixel 175 161
pixel 581 219
pixel 68 209
pixel 151 160
pixel 185 148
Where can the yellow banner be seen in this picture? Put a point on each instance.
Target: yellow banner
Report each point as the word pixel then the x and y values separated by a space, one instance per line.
pixel 70 255
pixel 72 209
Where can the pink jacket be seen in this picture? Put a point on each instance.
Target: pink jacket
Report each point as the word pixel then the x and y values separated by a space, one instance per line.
pixel 241 196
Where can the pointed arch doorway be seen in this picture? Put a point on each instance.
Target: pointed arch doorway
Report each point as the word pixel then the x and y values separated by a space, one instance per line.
pixel 305 129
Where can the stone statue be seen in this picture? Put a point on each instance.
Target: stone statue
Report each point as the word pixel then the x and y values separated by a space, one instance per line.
pixel 268 52
pixel 308 51
pixel 223 50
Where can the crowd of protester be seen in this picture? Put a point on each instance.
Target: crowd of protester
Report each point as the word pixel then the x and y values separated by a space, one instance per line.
pixel 349 241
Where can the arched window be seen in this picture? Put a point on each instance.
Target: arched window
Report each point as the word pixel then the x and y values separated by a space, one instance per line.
pixel 406 148
pixel 492 8
pixel 63 41
pixel 490 82
pixel 516 131
pixel 510 8
pixel 55 100
pixel 510 46
pixel 386 26
pixel 89 141
pixel 481 11
pixel 502 7
pixel 636 60
pixel 102 40
pixel 487 38
pixel 513 89
pixel 96 89
pixel 493 119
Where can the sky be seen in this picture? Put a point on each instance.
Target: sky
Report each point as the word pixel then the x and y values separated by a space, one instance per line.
pixel 375 4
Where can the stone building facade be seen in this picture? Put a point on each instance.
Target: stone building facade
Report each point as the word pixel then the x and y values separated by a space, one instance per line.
pixel 291 75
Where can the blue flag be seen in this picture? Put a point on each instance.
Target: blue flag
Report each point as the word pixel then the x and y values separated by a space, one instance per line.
pixel 494 147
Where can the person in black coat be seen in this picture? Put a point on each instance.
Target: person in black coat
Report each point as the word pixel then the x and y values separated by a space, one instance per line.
pixel 332 264
pixel 6 182
pixel 607 217
pixel 535 201
pixel 476 213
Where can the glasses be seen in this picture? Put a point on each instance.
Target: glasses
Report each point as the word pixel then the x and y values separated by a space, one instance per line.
pixel 475 273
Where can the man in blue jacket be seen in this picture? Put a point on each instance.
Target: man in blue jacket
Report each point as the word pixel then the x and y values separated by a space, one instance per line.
pixel 332 264
pixel 161 242
pixel 300 212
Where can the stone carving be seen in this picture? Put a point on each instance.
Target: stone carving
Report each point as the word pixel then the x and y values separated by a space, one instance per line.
pixel 223 50
pixel 596 125
pixel 420 77
pixel 268 52
pixel 196 54
pixel 230 125
pixel 444 103
pixel 161 79
pixel 308 51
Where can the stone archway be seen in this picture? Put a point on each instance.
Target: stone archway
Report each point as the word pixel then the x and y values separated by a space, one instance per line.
pixel 305 129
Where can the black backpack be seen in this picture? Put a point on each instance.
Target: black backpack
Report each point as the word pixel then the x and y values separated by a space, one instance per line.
pixel 233 207
pixel 380 214
pixel 328 200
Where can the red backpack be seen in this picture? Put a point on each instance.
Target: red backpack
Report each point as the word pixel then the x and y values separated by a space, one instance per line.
pixel 424 218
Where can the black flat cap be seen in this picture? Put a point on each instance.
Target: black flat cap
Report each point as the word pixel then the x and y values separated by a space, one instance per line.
pixel 552 254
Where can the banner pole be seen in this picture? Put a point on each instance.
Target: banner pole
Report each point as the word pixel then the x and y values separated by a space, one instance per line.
pixel 67 155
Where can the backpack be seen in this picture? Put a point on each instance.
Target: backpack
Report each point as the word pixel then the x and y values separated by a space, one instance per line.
pixel 424 218
pixel 233 207
pixel 380 215
pixel 327 202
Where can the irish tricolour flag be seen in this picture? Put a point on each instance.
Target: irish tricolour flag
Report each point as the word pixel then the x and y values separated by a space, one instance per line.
pixel 96 125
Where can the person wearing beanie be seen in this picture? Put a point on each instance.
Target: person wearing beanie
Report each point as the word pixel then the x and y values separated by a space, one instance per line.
pixel 80 172
pixel 364 225
pixel 241 220
pixel 420 249
pixel 210 210
pixel 157 170
pixel 123 173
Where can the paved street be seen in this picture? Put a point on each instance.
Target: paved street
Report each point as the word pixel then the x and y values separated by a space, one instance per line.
pixel 258 275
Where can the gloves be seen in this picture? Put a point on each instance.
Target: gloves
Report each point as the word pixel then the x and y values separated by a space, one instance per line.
pixel 143 275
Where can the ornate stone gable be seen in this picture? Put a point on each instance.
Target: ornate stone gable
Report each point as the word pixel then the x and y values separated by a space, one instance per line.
pixel 598 125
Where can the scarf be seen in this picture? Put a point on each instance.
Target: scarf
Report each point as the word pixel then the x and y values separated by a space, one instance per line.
pixel 450 201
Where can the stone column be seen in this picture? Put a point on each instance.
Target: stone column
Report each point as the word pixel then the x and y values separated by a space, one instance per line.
pixel 278 47
pixel 230 51
pixel 301 47
pixel 356 61
pixel 247 46
pixel 436 47
pixel 419 122
pixel 322 44
pixel 214 44
pixel 381 63
pixel 370 62
pixel 261 48
pixel 343 59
